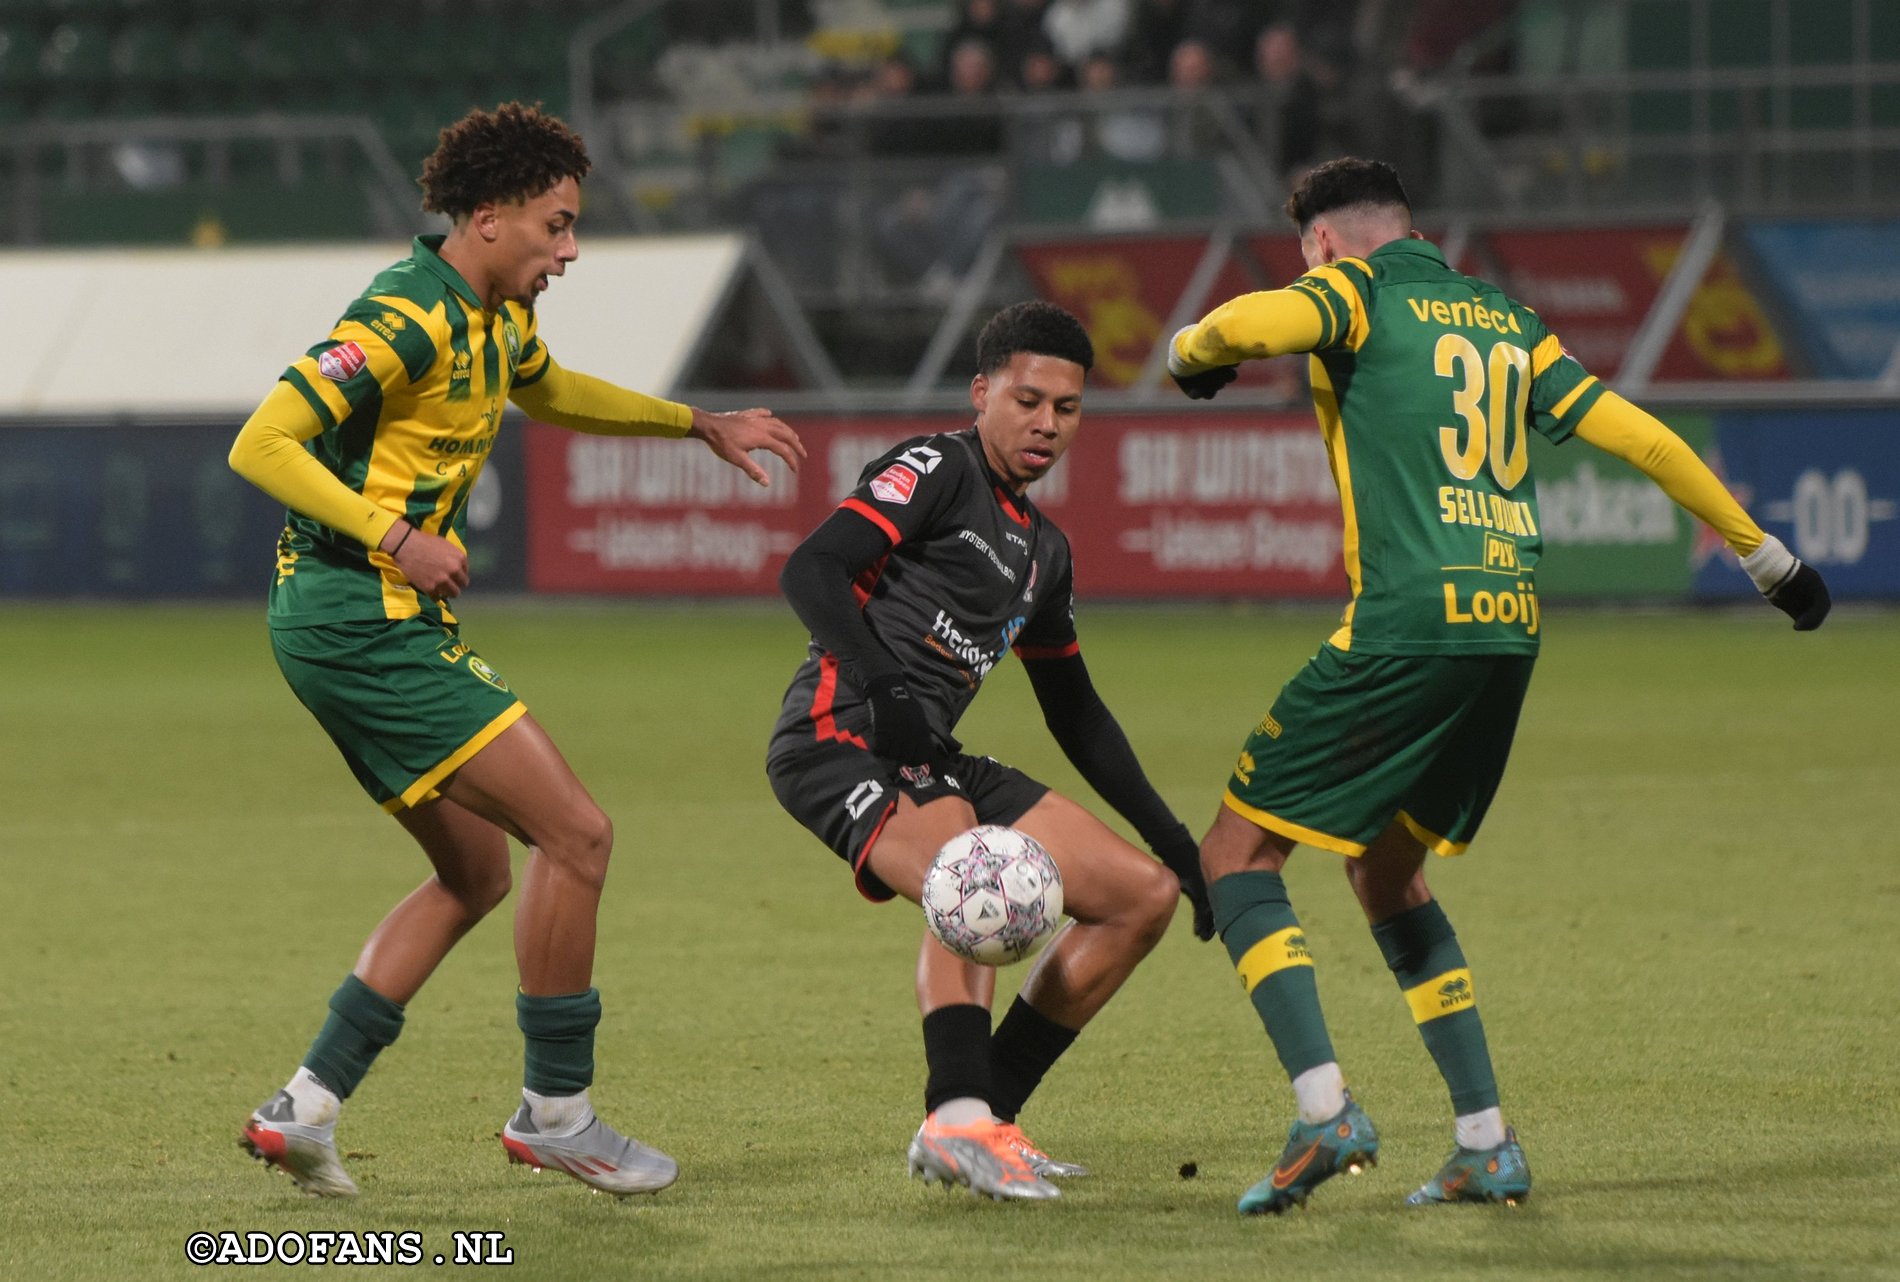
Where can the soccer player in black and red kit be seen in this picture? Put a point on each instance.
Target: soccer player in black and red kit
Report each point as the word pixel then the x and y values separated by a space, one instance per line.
pixel 914 588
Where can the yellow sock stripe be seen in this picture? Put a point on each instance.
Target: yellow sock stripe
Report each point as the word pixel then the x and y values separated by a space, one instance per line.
pixel 1278 951
pixel 1442 995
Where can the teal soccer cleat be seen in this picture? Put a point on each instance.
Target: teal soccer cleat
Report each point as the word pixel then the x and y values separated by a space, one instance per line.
pixel 1313 1155
pixel 1480 1175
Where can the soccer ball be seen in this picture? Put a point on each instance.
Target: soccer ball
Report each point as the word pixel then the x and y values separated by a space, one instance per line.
pixel 993 895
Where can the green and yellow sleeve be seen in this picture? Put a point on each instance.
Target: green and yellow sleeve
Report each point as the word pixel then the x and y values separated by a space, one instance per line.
pixel 270 454
pixel 1617 427
pixel 1324 308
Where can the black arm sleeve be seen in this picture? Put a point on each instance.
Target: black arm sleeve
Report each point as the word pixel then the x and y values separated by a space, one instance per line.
pixel 1090 737
pixel 817 582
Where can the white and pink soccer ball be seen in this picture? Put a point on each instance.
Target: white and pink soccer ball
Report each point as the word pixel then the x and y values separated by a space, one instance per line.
pixel 993 895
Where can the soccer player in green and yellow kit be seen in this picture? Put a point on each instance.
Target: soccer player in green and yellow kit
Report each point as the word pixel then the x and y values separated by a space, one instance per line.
pixel 373 441
pixel 1391 741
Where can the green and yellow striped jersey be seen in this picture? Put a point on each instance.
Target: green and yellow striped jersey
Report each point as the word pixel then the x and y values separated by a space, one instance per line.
pixel 409 386
pixel 1427 383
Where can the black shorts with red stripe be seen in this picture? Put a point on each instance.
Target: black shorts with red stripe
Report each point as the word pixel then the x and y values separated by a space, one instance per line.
pixel 843 793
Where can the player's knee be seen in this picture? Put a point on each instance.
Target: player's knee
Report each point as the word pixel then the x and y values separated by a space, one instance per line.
pixel 1155 899
pixel 481 898
pixel 586 844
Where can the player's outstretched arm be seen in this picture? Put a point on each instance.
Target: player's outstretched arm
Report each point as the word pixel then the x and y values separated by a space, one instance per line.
pixel 1092 740
pixel 734 435
pixel 583 403
pixel 1617 427
pixel 1274 322
pixel 817 582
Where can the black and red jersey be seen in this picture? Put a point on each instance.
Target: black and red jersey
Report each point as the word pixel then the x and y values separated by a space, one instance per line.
pixel 973 571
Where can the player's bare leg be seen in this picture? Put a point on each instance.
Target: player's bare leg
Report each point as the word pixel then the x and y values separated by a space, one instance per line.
pixel 1242 863
pixel 1121 900
pixel 522 784
pixel 1423 953
pixel 295 1130
pixel 472 876
pixel 960 1142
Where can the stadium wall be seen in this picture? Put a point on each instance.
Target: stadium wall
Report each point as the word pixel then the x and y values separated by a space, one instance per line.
pixel 1158 505
pixel 126 381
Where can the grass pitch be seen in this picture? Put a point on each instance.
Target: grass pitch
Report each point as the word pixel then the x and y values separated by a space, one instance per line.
pixel 1680 916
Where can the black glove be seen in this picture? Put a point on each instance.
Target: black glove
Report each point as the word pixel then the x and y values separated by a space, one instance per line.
pixel 1802 596
pixel 1203 386
pixel 1182 856
pixel 1791 585
pixel 900 732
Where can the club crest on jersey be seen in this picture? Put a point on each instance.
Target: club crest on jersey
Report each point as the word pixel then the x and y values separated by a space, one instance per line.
pixel 342 363
pixel 1029 589
pixel 486 673
pixel 895 484
pixel 512 337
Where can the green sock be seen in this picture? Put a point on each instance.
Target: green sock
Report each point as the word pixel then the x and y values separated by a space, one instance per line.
pixel 362 1021
pixel 560 1041
pixel 1268 948
pixel 1424 956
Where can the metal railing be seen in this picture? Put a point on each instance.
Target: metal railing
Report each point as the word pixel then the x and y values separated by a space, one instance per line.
pixel 95 155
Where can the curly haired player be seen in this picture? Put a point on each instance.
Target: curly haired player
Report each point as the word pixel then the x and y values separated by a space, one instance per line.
pixel 373 441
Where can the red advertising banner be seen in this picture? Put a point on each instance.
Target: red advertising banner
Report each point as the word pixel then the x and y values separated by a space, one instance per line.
pixel 1204 505
pixel 1155 505
pixel 1593 288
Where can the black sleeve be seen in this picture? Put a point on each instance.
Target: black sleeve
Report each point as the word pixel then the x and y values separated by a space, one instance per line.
pixel 817 582
pixel 1090 737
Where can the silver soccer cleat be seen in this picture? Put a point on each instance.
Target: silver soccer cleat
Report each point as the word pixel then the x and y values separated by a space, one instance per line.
pixel 597 1155
pixel 979 1157
pixel 306 1153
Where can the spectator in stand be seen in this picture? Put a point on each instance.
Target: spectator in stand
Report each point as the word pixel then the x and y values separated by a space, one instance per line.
pixel 1468 34
pixel 929 231
pixel 1080 29
pixel 1134 134
pixel 1287 118
pixel 982 20
pixel 1040 70
pixel 1325 29
pixel 1228 27
pixel 1192 71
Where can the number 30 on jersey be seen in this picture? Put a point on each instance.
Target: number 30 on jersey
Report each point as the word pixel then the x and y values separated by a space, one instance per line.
pixel 1494 428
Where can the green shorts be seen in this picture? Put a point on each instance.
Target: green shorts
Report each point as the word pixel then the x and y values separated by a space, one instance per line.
pixel 1356 740
pixel 406 701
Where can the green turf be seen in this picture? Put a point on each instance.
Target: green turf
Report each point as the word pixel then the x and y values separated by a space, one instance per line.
pixel 1680 915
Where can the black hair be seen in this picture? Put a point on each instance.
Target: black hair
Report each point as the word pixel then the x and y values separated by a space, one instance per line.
pixel 1344 183
pixel 1037 327
pixel 511 153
